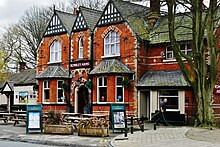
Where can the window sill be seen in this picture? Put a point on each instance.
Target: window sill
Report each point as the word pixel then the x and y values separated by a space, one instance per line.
pixel 79 59
pixel 172 60
pixel 103 103
pixel 48 103
pixel 54 62
pixel 111 56
pixel 172 110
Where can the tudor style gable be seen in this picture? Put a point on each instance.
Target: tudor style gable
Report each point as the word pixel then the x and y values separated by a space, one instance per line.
pixel 110 15
pixel 80 23
pixel 55 26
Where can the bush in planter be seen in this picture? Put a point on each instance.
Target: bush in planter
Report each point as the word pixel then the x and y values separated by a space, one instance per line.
pixel 54 118
pixel 91 127
pixel 55 124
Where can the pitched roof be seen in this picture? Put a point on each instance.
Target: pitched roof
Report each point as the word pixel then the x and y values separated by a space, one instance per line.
pixel 135 15
pixel 160 33
pixel 111 66
pixel 91 16
pixel 23 77
pixel 163 78
pixel 54 71
pixel 67 19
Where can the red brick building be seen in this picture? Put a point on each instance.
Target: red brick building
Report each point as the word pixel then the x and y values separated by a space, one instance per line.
pixel 121 55
pixel 119 51
pixel 82 58
pixel 53 62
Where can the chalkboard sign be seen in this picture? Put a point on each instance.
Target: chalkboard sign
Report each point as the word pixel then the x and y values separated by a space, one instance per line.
pixel 34 118
pixel 118 115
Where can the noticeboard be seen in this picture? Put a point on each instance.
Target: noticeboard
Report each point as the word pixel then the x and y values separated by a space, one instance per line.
pixel 34 118
pixel 118 115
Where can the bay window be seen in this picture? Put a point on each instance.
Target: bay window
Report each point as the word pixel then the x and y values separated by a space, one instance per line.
pixel 46 91
pixel 119 90
pixel 102 89
pixel 60 92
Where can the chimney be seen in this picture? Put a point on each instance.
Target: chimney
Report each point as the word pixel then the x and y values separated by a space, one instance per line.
pixel 75 10
pixel 154 13
pixel 22 66
pixel 155 6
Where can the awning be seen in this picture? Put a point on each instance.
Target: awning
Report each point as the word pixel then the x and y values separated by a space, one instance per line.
pixel 111 66
pixel 163 78
pixel 54 71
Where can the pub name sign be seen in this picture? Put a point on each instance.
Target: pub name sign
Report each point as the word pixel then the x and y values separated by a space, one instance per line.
pixel 81 64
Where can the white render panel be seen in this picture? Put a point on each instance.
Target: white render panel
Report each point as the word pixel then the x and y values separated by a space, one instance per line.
pixel 7 88
pixel 182 102
pixel 3 99
pixel 153 101
pixel 28 89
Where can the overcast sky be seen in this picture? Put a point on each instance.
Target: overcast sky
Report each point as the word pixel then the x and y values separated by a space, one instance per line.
pixel 12 10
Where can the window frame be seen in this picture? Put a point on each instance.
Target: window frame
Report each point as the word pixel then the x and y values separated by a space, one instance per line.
pixel 185 51
pixel 169 58
pixel 102 86
pixel 108 42
pixel 47 88
pixel 116 89
pixel 56 47
pixel 169 96
pixel 80 54
pixel 60 88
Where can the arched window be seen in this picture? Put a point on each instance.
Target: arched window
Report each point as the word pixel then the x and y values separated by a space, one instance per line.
pixel 56 52
pixel 112 44
pixel 80 48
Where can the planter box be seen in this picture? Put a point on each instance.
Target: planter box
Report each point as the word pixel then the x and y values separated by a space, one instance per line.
pixel 58 129
pixel 94 131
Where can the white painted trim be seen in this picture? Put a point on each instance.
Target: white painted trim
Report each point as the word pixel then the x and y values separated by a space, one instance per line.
pixel 139 103
pixel 43 93
pixel 182 101
pixel 123 92
pixel 7 88
pixel 57 93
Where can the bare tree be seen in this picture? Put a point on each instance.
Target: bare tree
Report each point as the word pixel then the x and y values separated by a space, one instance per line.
pixel 93 4
pixel 20 41
pixel 202 72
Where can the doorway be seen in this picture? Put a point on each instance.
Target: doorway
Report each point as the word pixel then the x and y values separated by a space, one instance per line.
pixel 83 100
pixel 145 104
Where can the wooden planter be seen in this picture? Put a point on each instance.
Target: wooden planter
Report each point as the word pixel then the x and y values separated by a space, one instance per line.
pixel 58 129
pixel 94 131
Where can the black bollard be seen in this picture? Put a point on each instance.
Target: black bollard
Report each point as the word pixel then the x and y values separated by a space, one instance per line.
pixel 142 124
pixel 132 125
pixel 126 128
pixel 155 126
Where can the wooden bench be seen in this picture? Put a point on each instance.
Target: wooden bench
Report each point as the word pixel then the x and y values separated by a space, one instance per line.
pixel 4 119
pixel 17 120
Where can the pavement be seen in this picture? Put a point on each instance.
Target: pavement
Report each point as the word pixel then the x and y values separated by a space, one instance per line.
pixel 164 135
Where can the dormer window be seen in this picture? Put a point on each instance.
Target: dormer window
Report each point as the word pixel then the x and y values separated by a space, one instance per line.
pixel 112 44
pixel 185 48
pixel 56 52
pixel 80 48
